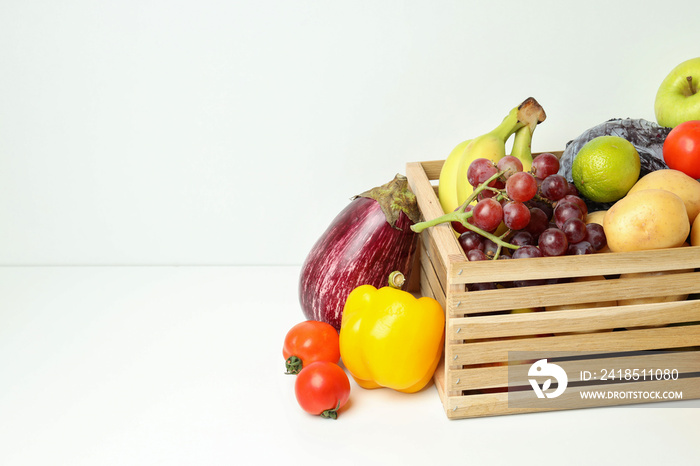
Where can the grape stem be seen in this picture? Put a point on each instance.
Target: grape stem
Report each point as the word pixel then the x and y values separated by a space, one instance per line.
pixel 544 199
pixel 500 247
pixel 462 217
pixel 483 186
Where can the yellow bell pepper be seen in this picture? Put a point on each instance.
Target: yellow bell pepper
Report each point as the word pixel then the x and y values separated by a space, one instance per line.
pixel 389 338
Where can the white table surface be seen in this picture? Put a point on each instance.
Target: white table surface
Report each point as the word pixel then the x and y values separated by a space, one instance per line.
pixel 183 366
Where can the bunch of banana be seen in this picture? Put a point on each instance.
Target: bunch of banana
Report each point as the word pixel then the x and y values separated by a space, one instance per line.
pixel 453 187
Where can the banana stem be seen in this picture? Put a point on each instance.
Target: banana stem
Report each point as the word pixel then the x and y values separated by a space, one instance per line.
pixel 509 125
pixel 530 112
pixel 522 147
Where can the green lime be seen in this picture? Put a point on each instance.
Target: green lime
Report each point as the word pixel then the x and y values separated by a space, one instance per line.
pixel 606 168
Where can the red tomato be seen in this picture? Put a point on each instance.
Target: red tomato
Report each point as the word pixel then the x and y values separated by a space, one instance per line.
pixel 682 148
pixel 322 388
pixel 308 342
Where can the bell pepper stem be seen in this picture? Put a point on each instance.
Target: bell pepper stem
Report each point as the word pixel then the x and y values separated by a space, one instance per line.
pixel 396 279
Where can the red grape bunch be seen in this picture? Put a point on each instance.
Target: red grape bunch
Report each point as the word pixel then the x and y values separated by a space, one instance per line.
pixel 525 214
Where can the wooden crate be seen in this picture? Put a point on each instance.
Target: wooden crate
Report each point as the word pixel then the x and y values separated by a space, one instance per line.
pixel 472 379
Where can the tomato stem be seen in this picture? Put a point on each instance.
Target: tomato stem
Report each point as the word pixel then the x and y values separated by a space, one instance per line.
pixel 294 364
pixel 331 413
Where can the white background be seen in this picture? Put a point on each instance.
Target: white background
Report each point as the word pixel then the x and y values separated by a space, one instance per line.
pixel 232 132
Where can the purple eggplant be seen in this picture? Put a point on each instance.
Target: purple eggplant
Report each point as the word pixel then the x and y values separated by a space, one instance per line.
pixel 367 241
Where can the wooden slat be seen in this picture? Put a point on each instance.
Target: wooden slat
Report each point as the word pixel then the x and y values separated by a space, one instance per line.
pixel 421 187
pixel 434 258
pixel 497 376
pixel 429 205
pixel 573 293
pixel 574 320
pixel 576 266
pixel 478 378
pixel 425 288
pixel 628 340
pixel 431 281
pixel 461 407
pixel 432 169
pixel 439 380
pixel 449 342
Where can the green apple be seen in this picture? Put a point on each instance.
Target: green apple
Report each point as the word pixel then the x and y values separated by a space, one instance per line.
pixel 678 99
